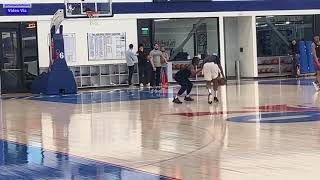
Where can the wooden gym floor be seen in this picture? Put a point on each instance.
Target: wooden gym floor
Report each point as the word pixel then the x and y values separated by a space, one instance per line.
pixel 261 130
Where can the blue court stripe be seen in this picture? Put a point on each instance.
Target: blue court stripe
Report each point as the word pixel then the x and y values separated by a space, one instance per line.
pixel 101 97
pixel 19 161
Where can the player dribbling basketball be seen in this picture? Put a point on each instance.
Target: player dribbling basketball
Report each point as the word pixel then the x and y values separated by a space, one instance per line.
pixel 213 75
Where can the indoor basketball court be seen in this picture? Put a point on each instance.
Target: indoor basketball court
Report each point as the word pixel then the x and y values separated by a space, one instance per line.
pixel 69 109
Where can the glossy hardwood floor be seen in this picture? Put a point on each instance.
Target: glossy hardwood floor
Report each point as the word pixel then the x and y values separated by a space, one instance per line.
pixel 267 130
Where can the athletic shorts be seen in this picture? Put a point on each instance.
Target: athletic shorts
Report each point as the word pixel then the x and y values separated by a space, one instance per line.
pixel 210 71
pixel 316 64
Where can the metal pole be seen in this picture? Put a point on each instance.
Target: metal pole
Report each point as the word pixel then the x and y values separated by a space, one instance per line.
pixel 0 84
pixel 237 68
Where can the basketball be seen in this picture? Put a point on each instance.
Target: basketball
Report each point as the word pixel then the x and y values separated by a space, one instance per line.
pixel 221 81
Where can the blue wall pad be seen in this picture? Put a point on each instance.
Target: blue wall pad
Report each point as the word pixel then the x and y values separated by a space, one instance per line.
pixel 303 58
pixel 59 79
pixel 310 56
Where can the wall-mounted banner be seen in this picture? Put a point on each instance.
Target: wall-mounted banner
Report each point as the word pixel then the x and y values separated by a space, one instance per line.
pixel 8 6
pixel 17 9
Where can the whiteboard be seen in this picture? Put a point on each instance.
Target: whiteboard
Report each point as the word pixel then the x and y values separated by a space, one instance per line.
pixel 70 47
pixel 104 46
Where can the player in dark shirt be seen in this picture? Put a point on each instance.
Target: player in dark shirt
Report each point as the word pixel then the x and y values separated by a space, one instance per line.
pixel 145 67
pixel 182 78
pixel 294 52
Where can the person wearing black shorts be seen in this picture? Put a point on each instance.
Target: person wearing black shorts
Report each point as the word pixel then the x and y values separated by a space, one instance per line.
pixel 145 67
pixel 182 78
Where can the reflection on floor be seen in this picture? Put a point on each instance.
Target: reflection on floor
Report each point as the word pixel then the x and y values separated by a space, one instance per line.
pixel 265 130
pixel 26 162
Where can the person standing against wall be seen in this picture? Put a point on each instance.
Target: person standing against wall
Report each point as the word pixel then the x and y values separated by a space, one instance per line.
pixel 294 52
pixel 316 59
pixel 145 67
pixel 131 60
pixel 155 56
pixel 164 63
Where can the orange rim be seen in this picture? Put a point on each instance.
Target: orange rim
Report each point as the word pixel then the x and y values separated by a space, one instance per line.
pixel 90 14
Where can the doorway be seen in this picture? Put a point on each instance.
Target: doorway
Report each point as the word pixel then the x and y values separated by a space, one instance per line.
pixel 19 56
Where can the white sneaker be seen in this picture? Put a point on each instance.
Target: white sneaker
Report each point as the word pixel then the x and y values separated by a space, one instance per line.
pixel 210 98
pixel 141 85
pixel 316 86
pixel 148 85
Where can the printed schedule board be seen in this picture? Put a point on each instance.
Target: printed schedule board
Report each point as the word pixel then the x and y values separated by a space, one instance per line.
pixel 106 46
pixel 70 47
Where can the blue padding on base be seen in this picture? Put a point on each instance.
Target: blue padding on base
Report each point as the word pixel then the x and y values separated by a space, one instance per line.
pixel 303 58
pixel 59 80
pixel 54 83
pixel 310 56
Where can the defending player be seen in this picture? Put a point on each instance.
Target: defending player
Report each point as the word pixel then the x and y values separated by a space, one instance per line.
pixel 182 78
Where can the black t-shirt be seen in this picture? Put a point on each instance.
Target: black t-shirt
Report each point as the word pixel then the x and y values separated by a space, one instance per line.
pixel 294 49
pixel 212 58
pixel 142 58
pixel 184 73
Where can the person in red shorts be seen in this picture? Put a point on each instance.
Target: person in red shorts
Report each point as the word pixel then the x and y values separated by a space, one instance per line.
pixel 316 60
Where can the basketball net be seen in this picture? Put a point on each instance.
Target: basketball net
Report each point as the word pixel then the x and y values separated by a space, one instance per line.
pixel 93 17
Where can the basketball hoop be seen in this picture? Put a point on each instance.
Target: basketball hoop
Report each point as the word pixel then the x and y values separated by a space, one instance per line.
pixel 93 17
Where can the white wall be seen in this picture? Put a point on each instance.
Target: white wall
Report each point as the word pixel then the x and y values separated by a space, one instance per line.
pixel 247 41
pixel 240 32
pixel 81 27
pixel 232 48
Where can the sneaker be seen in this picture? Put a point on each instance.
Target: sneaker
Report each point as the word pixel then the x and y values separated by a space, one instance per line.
pixel 148 85
pixel 141 85
pixel 188 98
pixel 177 101
pixel 316 86
pixel 215 99
pixel 210 98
